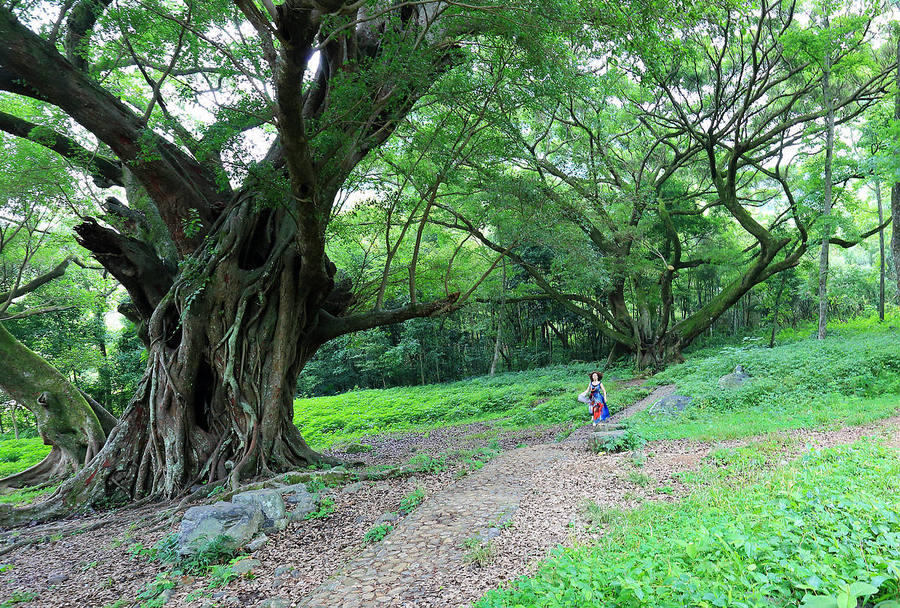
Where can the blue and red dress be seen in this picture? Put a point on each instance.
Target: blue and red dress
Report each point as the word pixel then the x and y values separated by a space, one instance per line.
pixel 599 411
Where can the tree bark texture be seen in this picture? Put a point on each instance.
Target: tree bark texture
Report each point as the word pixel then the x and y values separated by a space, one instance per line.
pixel 880 250
pixel 65 420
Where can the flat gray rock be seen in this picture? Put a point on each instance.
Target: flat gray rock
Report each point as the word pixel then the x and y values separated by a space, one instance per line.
pixel 302 501
pixel 244 566
pixel 386 518
pixel 229 523
pixel 353 488
pixel 257 543
pixel 274 602
pixel 671 404
pixel 734 379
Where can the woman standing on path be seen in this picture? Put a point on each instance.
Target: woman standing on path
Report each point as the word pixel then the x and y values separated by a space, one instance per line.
pixel 597 399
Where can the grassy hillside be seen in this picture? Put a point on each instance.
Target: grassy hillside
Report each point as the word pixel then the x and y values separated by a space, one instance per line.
pixel 852 377
pixel 539 397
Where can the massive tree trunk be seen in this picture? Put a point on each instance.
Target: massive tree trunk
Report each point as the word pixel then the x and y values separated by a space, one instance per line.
pixel 227 343
pixel 65 420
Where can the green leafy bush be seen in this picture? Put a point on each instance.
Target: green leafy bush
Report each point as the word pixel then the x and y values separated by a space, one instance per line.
pixel 812 533
pixel 326 508
pixel 630 440
pixel 412 500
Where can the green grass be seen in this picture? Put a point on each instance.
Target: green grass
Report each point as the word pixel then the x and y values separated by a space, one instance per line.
pixel 819 532
pixel 25 495
pixel 850 378
pixel 18 454
pixel 539 397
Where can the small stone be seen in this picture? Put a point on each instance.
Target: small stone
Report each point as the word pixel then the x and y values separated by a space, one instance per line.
pixel 387 518
pixel 242 567
pixel 734 379
pixel 166 595
pixel 296 574
pixel 671 405
pixel 56 579
pixel 276 583
pixel 274 602
pixel 354 487
pixel 257 543
pixel 281 571
pixel 302 500
pixel 233 600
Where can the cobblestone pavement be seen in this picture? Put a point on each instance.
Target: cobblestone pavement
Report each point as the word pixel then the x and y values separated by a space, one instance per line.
pixel 410 567
pixel 405 568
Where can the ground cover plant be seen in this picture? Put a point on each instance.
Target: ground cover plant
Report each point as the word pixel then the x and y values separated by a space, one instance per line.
pixel 544 396
pixel 19 454
pixel 821 531
pixel 850 378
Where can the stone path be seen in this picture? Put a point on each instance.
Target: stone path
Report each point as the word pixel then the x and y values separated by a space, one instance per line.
pixel 407 567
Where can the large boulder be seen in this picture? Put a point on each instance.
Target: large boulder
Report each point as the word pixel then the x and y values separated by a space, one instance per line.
pixel 671 405
pixel 227 524
pixel 734 379
pixel 271 504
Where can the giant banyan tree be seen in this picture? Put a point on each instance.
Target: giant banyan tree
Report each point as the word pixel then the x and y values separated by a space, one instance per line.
pixel 224 260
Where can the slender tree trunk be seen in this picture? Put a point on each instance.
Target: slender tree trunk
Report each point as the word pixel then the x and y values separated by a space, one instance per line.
pixel 15 423
pixel 880 251
pixel 775 312
pixel 895 192
pixel 826 212
pixel 499 338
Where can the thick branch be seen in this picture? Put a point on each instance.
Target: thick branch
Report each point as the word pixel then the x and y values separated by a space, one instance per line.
pixel 133 262
pixel 106 172
pixel 175 182
pixel 58 271
pixel 331 327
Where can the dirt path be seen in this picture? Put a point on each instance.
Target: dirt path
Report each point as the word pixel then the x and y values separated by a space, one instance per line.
pixel 425 561
pixel 542 491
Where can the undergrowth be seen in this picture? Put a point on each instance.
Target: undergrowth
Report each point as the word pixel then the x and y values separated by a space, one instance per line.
pixel 822 532
pixel 850 378
pixel 18 454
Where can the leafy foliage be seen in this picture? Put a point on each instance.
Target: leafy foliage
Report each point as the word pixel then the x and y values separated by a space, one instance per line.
pixel 377 533
pixel 816 531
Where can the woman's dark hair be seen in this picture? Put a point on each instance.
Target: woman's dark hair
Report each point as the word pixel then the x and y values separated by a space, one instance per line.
pixel 599 374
